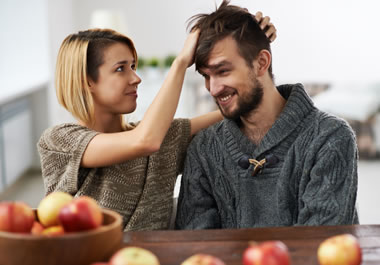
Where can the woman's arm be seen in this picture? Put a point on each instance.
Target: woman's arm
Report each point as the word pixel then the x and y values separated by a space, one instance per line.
pixel 112 148
pixel 204 121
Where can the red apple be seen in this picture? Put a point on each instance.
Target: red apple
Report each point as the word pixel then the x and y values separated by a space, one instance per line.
pixel 16 217
pixel 340 250
pixel 83 213
pixel 37 228
pixel 56 230
pixel 49 207
pixel 134 256
pixel 266 253
pixel 202 259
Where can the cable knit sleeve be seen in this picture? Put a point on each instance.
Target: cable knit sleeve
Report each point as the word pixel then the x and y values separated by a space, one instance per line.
pixel 197 208
pixel 329 195
pixel 61 149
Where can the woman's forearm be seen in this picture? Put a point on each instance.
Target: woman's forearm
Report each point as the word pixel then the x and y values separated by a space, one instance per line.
pixel 204 121
pixel 158 117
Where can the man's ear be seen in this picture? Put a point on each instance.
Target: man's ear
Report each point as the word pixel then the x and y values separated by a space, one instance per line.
pixel 263 62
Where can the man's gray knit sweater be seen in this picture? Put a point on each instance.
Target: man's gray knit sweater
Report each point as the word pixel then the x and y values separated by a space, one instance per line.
pixel 314 181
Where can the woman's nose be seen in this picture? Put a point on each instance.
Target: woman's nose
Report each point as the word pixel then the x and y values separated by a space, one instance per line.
pixel 136 79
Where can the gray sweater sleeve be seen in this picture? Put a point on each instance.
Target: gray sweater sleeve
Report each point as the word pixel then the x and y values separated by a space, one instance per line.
pixel 330 193
pixel 197 208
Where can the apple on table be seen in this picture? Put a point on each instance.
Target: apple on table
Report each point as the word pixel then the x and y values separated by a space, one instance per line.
pixel 134 256
pixel 202 259
pixel 266 253
pixel 342 249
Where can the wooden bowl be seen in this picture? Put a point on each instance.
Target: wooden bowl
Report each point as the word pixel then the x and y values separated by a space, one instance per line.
pixel 81 248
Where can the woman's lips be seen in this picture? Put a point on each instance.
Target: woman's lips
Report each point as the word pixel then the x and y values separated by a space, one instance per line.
pixel 133 94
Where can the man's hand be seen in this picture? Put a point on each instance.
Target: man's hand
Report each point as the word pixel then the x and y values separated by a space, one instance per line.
pixel 266 25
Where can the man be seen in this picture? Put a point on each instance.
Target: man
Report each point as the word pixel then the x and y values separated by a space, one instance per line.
pixel 275 160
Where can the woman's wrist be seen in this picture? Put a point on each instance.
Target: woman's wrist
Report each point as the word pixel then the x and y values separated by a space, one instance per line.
pixel 181 62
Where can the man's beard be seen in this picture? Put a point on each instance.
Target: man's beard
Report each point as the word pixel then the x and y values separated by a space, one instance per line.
pixel 247 102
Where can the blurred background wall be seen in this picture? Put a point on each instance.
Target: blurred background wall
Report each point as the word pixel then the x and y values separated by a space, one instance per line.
pixel 318 41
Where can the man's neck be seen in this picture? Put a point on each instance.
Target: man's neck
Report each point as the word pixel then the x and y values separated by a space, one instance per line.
pixel 256 124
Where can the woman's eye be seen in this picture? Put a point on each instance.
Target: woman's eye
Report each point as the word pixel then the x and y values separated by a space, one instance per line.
pixel 120 69
pixel 133 66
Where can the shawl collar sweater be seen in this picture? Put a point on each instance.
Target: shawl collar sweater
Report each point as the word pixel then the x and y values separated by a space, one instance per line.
pixel 314 181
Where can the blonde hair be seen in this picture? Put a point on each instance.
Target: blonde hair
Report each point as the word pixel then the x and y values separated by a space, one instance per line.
pixel 79 59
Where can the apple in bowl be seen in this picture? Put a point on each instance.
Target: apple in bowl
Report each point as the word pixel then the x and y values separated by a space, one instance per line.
pixel 31 242
pixel 16 217
pixel 82 213
pixel 50 206
pixel 52 247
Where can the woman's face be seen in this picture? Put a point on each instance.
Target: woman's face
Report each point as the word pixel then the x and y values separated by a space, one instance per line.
pixel 115 92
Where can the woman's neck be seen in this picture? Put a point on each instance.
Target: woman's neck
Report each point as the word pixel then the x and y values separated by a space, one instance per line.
pixel 110 125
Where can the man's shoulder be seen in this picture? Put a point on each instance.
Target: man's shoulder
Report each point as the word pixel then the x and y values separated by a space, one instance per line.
pixel 333 122
pixel 332 125
pixel 210 134
pixel 212 131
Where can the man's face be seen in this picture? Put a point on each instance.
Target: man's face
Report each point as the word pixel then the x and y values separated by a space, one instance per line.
pixel 231 82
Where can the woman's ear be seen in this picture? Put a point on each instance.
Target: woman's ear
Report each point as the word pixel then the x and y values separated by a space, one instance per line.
pixel 263 62
pixel 91 84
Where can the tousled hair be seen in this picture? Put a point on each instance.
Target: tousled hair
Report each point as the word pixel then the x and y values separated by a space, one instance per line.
pixel 79 58
pixel 229 21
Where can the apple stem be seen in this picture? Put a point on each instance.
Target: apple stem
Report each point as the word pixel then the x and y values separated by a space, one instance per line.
pixel 252 243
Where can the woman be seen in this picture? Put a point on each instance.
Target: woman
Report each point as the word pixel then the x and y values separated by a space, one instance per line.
pixel 129 168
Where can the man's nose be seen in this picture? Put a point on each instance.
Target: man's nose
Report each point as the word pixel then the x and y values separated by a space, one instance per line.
pixel 214 86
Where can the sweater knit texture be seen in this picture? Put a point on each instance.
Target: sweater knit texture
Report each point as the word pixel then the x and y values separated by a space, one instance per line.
pixel 141 190
pixel 314 181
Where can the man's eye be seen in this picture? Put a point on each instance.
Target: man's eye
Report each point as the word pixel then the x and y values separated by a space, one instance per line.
pixel 223 71
pixel 120 69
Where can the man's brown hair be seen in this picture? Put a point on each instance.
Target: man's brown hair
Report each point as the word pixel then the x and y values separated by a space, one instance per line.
pixel 234 21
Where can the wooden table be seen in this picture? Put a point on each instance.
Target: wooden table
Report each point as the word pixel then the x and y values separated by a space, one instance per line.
pixel 172 247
